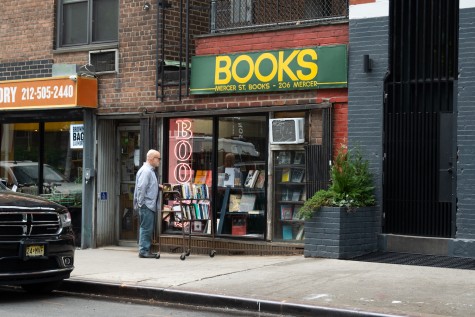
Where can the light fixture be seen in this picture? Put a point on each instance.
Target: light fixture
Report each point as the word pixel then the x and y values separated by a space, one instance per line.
pixel 146 6
pixel 367 64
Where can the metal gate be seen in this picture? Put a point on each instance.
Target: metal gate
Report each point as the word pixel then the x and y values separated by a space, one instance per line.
pixel 419 146
pixel 318 157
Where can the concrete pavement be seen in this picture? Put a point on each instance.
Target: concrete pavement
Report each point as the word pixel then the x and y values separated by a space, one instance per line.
pixel 290 285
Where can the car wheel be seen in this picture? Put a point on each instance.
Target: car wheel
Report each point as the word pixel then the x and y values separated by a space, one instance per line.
pixel 41 288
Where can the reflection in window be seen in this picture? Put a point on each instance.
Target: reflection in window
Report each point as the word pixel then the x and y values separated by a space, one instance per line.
pixel 21 145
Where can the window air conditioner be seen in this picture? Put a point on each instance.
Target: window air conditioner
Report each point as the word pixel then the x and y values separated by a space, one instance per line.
pixel 105 61
pixel 287 131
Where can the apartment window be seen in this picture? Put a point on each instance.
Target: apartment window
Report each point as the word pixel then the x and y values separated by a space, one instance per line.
pixel 241 11
pixel 85 22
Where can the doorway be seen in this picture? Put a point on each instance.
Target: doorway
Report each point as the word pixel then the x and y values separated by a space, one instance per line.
pixel 419 142
pixel 129 164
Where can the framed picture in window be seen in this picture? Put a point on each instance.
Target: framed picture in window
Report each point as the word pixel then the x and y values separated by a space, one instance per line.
pixel 299 158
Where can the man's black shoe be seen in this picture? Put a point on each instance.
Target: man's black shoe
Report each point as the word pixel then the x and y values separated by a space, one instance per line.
pixel 148 255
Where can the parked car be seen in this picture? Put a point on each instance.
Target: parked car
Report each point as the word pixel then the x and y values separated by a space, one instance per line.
pixel 22 176
pixel 36 242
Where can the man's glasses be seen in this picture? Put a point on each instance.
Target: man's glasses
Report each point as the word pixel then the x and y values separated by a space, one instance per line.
pixel 158 158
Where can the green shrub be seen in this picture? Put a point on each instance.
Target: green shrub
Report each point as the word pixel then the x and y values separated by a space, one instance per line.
pixel 351 185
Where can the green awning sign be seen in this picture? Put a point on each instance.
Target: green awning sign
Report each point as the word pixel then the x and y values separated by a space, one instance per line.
pixel 281 70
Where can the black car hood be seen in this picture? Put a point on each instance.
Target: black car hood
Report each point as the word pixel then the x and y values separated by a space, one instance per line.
pixel 13 199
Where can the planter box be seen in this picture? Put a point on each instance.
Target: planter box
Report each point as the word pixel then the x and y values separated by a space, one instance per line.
pixel 335 233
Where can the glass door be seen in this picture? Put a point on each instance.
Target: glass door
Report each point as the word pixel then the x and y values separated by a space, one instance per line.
pixel 129 158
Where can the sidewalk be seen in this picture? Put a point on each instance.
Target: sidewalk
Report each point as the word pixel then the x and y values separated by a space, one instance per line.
pixel 292 285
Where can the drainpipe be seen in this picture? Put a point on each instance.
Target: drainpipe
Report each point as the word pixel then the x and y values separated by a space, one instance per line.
pixel 88 188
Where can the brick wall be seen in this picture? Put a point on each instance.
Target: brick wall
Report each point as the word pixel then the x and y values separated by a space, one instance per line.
pixel 466 129
pixel 355 2
pixel 26 69
pixel 273 40
pixel 333 232
pixel 365 110
pixel 26 30
pixel 27 40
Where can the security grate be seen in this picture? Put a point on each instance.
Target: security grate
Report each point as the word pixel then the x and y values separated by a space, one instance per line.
pixel 419 260
pixel 419 152
pixel 318 157
pixel 229 15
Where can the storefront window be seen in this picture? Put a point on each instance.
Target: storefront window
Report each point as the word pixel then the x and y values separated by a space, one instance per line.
pixel 190 167
pixel 240 197
pixel 234 157
pixel 25 145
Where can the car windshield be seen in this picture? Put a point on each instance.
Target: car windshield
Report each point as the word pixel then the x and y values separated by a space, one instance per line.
pixel 28 174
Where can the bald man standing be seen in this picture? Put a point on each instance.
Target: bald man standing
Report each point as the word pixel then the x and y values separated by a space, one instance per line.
pixel 145 201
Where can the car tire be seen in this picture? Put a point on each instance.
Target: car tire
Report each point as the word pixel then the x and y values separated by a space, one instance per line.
pixel 41 288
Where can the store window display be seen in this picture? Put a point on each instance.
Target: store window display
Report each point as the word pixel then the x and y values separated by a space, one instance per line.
pixel 229 163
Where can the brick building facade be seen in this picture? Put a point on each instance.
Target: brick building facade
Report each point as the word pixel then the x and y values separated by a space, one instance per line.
pixel 137 105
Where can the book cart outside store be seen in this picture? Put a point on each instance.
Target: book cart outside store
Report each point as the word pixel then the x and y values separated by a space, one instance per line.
pixel 187 206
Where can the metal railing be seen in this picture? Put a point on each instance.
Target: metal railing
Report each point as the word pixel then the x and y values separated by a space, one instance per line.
pixel 234 15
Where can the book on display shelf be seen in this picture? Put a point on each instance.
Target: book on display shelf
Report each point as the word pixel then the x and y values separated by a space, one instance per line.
pixel 286 194
pixel 251 178
pixel 247 202
pixel 299 158
pixel 221 179
pixel 208 178
pixel 300 234
pixel 284 157
pixel 295 214
pixel 287 232
pixel 296 195
pixel 286 212
pixel 198 176
pixel 297 175
pixel 285 175
pixel 229 176
pixel 261 179
pixel 234 202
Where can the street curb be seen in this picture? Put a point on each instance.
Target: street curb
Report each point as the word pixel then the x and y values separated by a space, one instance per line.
pixel 207 300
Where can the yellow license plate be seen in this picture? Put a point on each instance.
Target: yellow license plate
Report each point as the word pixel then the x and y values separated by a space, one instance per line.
pixel 35 250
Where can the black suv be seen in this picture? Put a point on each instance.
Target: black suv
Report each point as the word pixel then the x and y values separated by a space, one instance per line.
pixel 36 242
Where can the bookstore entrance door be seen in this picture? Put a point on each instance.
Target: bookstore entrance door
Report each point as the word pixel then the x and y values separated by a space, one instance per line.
pixel 129 160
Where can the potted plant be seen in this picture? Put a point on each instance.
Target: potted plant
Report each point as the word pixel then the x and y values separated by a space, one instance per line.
pixel 341 222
